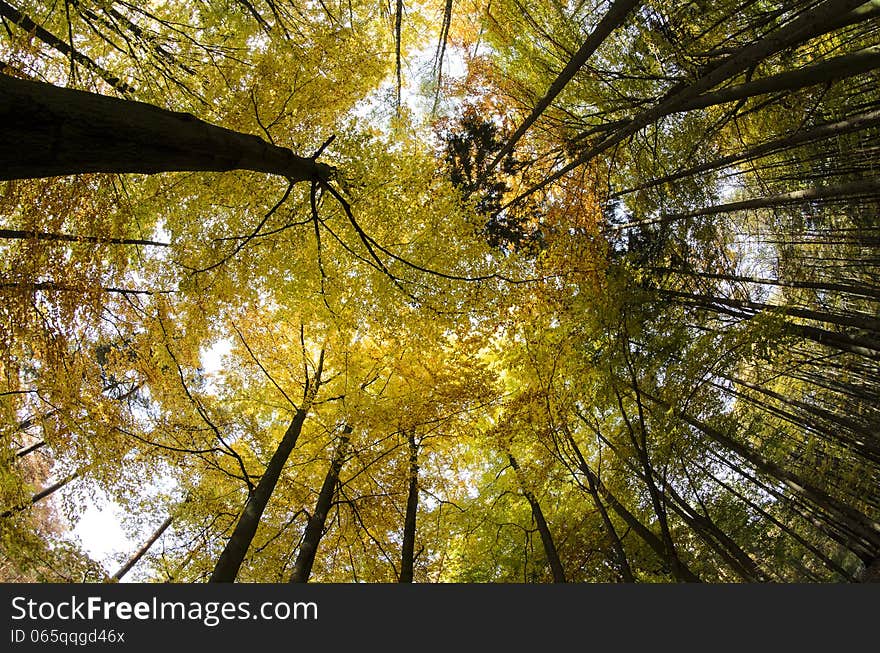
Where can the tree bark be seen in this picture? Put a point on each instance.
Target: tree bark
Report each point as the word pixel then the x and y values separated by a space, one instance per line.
pixel 592 482
pixel 855 521
pixel 59 131
pixel 833 69
pixel 828 130
pixel 806 26
pixel 302 568
pixel 408 547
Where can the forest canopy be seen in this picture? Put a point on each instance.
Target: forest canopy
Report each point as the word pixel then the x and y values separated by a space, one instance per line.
pixel 441 291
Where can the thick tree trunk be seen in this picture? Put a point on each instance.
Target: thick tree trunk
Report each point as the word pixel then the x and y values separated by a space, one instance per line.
pixel 59 131
pixel 302 568
pixel 133 560
pixel 408 547
pixel 543 529
pixel 233 554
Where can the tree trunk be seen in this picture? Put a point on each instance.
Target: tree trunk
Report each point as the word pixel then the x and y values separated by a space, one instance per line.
pixel 807 25
pixel 592 482
pixel 233 554
pixel 39 496
pixel 855 521
pixel 29 26
pixel 412 506
pixel 543 529
pixel 133 560
pixel 825 71
pixel 826 131
pixel 302 568
pixel 59 131
pixel 615 16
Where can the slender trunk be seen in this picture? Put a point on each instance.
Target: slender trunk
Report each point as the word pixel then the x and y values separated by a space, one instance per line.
pixel 236 548
pixel 640 445
pixel 133 560
pixel 862 188
pixel 858 523
pixel 852 319
pixel 543 529
pixel 865 442
pixel 633 522
pixel 807 25
pixel 826 131
pixel 39 496
pixel 24 22
pixel 785 528
pixel 842 341
pixel 737 559
pixel 302 568
pixel 412 506
pixel 845 288
pixel 24 451
pixel 15 234
pixel 60 131
pixel 615 16
pixel 592 482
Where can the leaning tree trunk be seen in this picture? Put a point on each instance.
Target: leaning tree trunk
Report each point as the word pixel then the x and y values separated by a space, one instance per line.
pixel 302 568
pixel 141 552
pixel 550 549
pixel 39 496
pixel 60 131
pixel 233 554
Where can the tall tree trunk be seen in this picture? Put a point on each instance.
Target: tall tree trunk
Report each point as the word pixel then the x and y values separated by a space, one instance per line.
pixel 640 444
pixel 408 547
pixel 543 529
pixel 845 288
pixel 862 188
pixel 302 568
pixel 615 16
pixel 24 22
pixel 855 521
pixel 60 131
pixel 825 71
pixel 24 451
pixel 826 131
pixel 633 522
pixel 592 483
pixel 807 25
pixel 39 496
pixel 236 548
pixel 133 560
